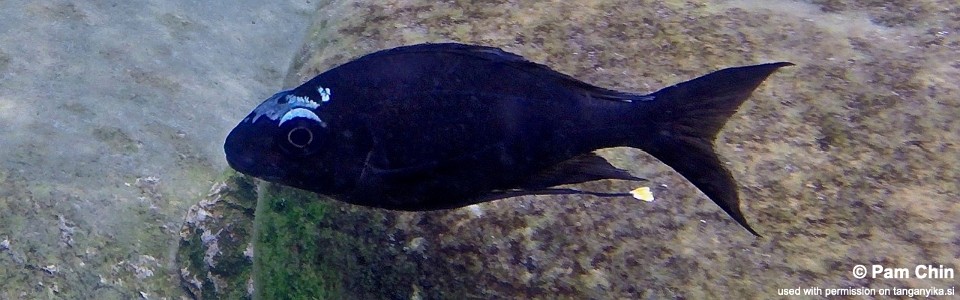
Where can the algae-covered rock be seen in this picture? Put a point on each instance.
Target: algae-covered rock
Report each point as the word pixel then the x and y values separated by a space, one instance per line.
pixel 216 247
pixel 309 247
pixel 306 247
pixel 848 158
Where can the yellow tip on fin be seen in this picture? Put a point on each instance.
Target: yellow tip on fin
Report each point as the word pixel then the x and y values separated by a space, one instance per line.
pixel 642 193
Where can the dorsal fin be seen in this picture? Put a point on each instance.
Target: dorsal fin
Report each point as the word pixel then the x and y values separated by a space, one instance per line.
pixel 518 62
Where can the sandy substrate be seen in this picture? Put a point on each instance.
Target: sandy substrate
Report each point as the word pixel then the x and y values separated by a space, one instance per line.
pixel 112 115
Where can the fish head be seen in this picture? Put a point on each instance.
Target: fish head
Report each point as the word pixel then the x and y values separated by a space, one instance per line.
pixel 284 141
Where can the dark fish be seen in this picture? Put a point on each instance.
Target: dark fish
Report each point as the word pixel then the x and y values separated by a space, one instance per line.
pixel 437 126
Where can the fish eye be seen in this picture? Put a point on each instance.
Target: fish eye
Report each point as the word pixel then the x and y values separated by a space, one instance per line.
pixel 300 137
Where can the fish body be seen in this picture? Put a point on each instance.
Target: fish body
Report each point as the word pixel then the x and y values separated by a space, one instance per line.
pixel 437 126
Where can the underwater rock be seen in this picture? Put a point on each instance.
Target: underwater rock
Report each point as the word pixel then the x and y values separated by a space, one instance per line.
pixel 852 154
pixel 213 258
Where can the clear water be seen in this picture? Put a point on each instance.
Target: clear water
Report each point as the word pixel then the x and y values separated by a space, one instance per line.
pixel 112 116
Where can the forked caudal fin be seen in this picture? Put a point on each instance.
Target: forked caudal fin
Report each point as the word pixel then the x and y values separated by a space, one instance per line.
pixel 686 118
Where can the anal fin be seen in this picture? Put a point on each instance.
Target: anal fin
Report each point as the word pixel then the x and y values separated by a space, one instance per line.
pixel 583 168
pixel 502 194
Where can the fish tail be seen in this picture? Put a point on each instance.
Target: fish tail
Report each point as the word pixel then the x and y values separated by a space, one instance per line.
pixel 686 118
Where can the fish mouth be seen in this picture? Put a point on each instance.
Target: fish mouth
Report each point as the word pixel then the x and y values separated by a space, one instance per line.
pixel 241 163
pixel 261 165
pixel 249 153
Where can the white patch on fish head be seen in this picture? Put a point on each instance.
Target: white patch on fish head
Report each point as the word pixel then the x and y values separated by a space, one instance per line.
pixel 301 112
pixel 280 104
pixel 324 93
pixel 301 101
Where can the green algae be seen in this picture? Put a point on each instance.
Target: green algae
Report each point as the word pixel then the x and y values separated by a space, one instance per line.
pixel 288 263
pixel 300 249
pixel 311 247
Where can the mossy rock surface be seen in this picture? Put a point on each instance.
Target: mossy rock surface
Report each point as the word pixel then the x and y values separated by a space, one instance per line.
pixel 216 249
pixel 307 247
